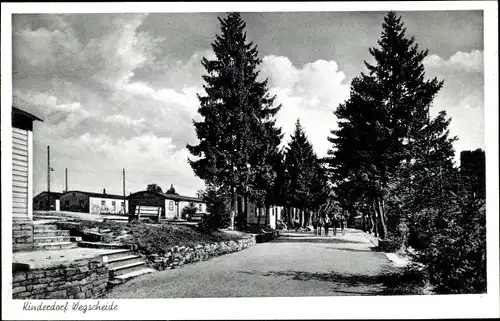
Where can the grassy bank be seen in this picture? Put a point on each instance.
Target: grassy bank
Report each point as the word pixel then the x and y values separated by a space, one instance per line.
pixel 149 238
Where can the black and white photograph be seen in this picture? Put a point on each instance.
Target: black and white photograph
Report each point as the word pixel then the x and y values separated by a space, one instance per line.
pixel 250 155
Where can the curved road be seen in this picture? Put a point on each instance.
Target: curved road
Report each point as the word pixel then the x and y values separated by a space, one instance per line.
pixel 295 264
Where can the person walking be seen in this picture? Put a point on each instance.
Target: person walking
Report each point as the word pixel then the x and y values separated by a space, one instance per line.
pixel 315 224
pixel 334 224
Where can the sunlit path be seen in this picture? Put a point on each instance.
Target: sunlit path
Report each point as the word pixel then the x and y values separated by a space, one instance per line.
pixel 296 264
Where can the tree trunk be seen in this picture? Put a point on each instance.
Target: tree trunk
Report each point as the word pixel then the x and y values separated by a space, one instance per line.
pixel 363 221
pixel 258 217
pixel 380 222
pixel 373 221
pixel 267 216
pixel 234 199
pixel 245 217
pixel 239 215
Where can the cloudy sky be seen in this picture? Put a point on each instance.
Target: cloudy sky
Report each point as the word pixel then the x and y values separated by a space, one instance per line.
pixel 119 90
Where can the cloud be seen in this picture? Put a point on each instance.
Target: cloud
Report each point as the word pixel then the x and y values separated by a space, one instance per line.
pixel 462 96
pixel 310 93
pixel 97 116
pixel 458 62
pixel 110 99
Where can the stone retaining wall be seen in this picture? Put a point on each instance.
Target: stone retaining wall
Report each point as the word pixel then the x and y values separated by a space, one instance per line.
pixel 22 236
pixel 180 255
pixel 82 279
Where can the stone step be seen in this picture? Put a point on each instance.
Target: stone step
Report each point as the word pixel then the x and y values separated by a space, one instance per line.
pixel 127 276
pixel 120 254
pixel 51 239
pixel 55 246
pixel 75 238
pixel 124 269
pixel 122 261
pixel 51 233
pixel 102 245
pixel 44 227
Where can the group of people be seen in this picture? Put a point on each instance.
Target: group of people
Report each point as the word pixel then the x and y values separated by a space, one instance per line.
pixel 326 222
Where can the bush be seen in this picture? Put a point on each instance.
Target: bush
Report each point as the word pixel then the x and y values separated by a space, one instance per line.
pixel 210 223
pixel 189 210
pixel 455 252
pixel 218 206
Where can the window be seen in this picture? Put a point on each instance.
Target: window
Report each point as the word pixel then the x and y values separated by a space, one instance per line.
pixel 103 203
pixel 200 206
pixel 171 205
pixel 113 203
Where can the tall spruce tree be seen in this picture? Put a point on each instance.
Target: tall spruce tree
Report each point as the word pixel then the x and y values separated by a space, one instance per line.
pixel 234 110
pixel 301 165
pixel 384 127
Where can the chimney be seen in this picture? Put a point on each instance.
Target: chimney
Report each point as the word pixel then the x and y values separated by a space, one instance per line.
pixel 104 191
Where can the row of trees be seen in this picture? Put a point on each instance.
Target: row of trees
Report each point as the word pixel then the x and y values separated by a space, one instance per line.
pixel 156 188
pixel 392 163
pixel 239 155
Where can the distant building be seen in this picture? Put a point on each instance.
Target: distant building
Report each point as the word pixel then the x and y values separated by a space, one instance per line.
pixel 473 171
pixel 253 213
pixel 171 204
pixel 22 179
pixel 41 201
pixel 93 203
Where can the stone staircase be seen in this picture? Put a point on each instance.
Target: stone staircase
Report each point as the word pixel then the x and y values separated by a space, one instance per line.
pixel 48 237
pixel 124 265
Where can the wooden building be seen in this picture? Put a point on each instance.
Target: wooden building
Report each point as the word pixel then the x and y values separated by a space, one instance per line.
pixel 170 205
pixel 22 179
pixel 41 201
pixel 93 203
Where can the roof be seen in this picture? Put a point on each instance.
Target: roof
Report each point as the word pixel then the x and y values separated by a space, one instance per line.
pixel 173 197
pixel 183 198
pixel 56 194
pixel 100 195
pixel 24 113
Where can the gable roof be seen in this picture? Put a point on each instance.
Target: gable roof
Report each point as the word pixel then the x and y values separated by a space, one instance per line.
pixel 100 195
pixel 22 120
pixel 21 112
pixel 55 194
pixel 173 197
pixel 183 198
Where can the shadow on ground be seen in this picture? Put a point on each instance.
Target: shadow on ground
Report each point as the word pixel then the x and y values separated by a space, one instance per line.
pixel 302 239
pixel 393 282
pixel 370 249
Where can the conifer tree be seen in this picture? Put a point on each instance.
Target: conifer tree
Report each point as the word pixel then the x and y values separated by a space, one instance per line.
pixel 234 110
pixel 385 127
pixel 301 165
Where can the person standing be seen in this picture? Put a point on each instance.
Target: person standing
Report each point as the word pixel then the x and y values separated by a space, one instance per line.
pixel 342 225
pixel 327 224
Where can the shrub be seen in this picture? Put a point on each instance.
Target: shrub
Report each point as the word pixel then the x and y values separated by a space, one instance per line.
pixel 189 210
pixel 218 206
pixel 455 252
